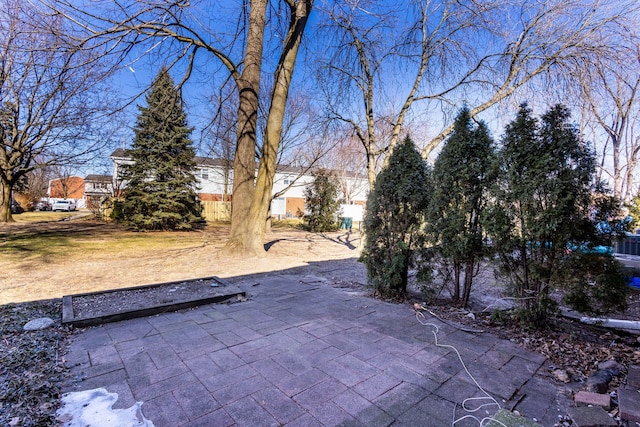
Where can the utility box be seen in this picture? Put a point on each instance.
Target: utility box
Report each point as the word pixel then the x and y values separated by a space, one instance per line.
pixel 346 223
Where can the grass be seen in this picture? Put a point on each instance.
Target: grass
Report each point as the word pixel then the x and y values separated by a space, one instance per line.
pixel 47 216
pixel 288 223
pixel 103 239
pixel 49 244
pixel 45 257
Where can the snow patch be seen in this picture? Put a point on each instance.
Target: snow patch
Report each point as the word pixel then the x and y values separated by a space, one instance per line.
pixel 93 408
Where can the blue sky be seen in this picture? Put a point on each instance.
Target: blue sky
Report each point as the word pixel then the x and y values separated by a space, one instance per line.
pixel 221 19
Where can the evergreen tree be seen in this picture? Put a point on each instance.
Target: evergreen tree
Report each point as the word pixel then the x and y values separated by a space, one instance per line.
pixel 321 201
pixel 542 206
pixel 160 189
pixel 393 219
pixel 462 175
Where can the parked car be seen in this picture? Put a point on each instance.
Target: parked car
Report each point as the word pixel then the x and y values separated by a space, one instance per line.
pixel 64 205
pixel 43 205
pixel 16 208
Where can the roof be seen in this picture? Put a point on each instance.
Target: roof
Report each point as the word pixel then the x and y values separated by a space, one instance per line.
pixel 99 178
pixel 121 153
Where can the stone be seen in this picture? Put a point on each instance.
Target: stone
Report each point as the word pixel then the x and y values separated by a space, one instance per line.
pixel 629 404
pixel 561 375
pixel 610 364
pixel 38 324
pixel 591 416
pixel 633 377
pixel 598 382
pixel 586 398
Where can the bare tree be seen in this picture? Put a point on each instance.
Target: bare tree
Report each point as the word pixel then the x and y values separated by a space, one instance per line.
pixel 47 97
pixel 67 184
pixel 179 25
pixel 347 163
pixel 220 133
pixel 37 184
pixel 610 93
pixel 385 59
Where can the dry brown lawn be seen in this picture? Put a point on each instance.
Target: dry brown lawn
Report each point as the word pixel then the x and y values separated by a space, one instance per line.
pixel 48 258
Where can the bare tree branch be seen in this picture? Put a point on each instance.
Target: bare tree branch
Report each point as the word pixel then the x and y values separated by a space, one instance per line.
pixel 449 53
pixel 50 97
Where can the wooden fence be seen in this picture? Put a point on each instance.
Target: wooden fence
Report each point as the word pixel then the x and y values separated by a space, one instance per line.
pixel 216 211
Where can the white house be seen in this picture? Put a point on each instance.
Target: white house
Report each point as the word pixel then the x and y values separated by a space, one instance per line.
pixel 215 183
pixel 97 188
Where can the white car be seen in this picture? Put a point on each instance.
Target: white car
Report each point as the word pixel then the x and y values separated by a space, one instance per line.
pixel 64 205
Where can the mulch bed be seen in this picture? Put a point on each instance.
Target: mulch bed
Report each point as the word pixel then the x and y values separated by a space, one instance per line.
pixel 95 308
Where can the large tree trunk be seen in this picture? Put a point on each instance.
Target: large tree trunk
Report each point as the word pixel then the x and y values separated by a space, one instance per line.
pixel 248 227
pixel 284 73
pixel 371 169
pixel 244 237
pixel 5 202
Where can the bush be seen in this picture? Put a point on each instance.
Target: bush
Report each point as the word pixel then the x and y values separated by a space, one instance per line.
pixel 595 284
pixel 541 205
pixel 321 201
pixel 393 220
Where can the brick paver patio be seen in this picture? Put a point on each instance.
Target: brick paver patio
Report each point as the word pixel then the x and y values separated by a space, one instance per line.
pixel 300 352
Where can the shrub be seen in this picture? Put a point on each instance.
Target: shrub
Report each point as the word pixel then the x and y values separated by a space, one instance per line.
pixel 595 283
pixel 541 204
pixel 393 220
pixel 322 203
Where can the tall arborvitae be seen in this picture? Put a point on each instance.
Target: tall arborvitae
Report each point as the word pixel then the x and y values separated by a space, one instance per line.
pixel 542 212
pixel 160 191
pixel 393 219
pixel 462 176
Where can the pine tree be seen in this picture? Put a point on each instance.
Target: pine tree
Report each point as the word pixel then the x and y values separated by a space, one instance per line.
pixel 160 191
pixel 393 219
pixel 462 175
pixel 321 200
pixel 542 208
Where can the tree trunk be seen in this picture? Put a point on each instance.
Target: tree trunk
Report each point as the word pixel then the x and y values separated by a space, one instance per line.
pixel 249 215
pixel 244 237
pixel 617 167
pixel 405 271
pixel 456 281
pixel 630 191
pixel 5 202
pixel 371 169
pixel 468 281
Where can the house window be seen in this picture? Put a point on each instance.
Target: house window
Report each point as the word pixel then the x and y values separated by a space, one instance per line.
pixel 288 179
pixel 202 173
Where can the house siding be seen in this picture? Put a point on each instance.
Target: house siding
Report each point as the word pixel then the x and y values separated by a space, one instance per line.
pixel 295 206
pixel 74 186
pixel 214 175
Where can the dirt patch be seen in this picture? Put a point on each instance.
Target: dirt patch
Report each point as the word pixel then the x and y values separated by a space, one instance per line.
pixel 95 304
